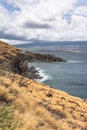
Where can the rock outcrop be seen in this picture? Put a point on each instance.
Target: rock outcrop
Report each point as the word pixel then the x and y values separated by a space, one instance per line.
pixel 7 54
pixel 28 105
pixel 13 59
pixel 35 57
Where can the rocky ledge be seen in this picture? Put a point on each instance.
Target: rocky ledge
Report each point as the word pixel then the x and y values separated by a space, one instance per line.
pixel 35 57
pixel 14 60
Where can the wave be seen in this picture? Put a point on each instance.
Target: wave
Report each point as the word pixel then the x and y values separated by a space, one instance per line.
pixel 44 75
pixel 69 50
pixel 72 61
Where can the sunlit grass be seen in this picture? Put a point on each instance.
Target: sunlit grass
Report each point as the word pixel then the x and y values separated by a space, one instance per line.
pixel 34 106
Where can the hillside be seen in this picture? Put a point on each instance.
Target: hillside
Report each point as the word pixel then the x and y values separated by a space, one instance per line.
pixel 8 55
pixel 7 52
pixel 14 60
pixel 39 107
pixel 29 105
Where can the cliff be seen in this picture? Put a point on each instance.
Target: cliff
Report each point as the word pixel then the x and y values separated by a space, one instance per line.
pixel 14 60
pixel 35 57
pixel 29 105
pixel 8 53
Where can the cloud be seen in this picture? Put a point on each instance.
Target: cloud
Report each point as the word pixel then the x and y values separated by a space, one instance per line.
pixel 82 2
pixel 36 25
pixel 12 37
pixel 43 19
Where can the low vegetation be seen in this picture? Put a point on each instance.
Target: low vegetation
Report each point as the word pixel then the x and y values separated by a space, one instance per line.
pixel 34 106
pixel 28 105
pixel 6 117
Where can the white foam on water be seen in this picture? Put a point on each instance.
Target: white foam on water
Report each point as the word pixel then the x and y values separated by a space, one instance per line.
pixel 44 75
pixel 72 61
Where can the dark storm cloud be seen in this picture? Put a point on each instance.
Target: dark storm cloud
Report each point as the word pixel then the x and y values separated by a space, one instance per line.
pixel 35 25
pixel 12 37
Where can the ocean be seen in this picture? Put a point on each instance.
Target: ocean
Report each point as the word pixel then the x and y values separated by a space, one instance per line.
pixel 70 76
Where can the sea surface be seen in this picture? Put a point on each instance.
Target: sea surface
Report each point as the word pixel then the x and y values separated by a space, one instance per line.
pixel 70 76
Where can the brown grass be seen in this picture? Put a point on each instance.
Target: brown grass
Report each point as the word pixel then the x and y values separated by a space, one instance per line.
pixel 39 107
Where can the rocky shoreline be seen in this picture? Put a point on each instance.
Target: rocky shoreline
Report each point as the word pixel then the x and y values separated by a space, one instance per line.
pixel 37 57
pixel 32 73
pixel 16 61
pixel 28 105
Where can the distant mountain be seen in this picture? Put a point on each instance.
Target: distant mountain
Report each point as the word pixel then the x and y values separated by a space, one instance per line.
pixel 48 43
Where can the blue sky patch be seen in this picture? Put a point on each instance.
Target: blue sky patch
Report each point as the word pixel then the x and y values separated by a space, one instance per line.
pixel 34 2
pixel 82 3
pixel 9 7
pixel 67 16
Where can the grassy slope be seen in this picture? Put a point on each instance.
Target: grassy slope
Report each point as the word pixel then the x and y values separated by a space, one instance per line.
pixel 39 107
pixel 28 105
pixel 7 51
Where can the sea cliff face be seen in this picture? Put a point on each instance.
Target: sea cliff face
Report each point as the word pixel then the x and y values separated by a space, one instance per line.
pixel 13 59
pixel 29 105
pixel 35 57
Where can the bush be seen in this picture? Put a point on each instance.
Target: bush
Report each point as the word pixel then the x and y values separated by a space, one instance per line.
pixel 6 118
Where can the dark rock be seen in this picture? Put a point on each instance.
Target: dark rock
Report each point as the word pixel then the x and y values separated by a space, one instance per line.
pixel 34 57
pixel 13 59
pixel 49 95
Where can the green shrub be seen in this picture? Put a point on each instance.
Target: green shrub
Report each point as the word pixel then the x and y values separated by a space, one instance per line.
pixel 6 118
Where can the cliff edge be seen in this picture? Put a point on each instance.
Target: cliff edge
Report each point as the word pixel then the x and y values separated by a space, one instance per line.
pixel 15 60
pixel 29 105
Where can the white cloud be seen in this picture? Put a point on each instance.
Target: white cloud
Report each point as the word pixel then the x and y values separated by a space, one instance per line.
pixel 43 19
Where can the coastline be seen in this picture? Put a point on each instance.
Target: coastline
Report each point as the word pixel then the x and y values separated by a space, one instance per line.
pixel 34 105
pixel 16 60
pixel 44 75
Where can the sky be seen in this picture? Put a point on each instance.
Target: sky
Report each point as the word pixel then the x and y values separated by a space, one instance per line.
pixel 52 20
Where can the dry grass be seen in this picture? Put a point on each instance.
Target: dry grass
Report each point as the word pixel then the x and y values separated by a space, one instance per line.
pixel 39 107
pixel 6 49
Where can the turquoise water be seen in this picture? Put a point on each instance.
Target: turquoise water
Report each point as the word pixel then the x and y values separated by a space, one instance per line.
pixel 70 76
